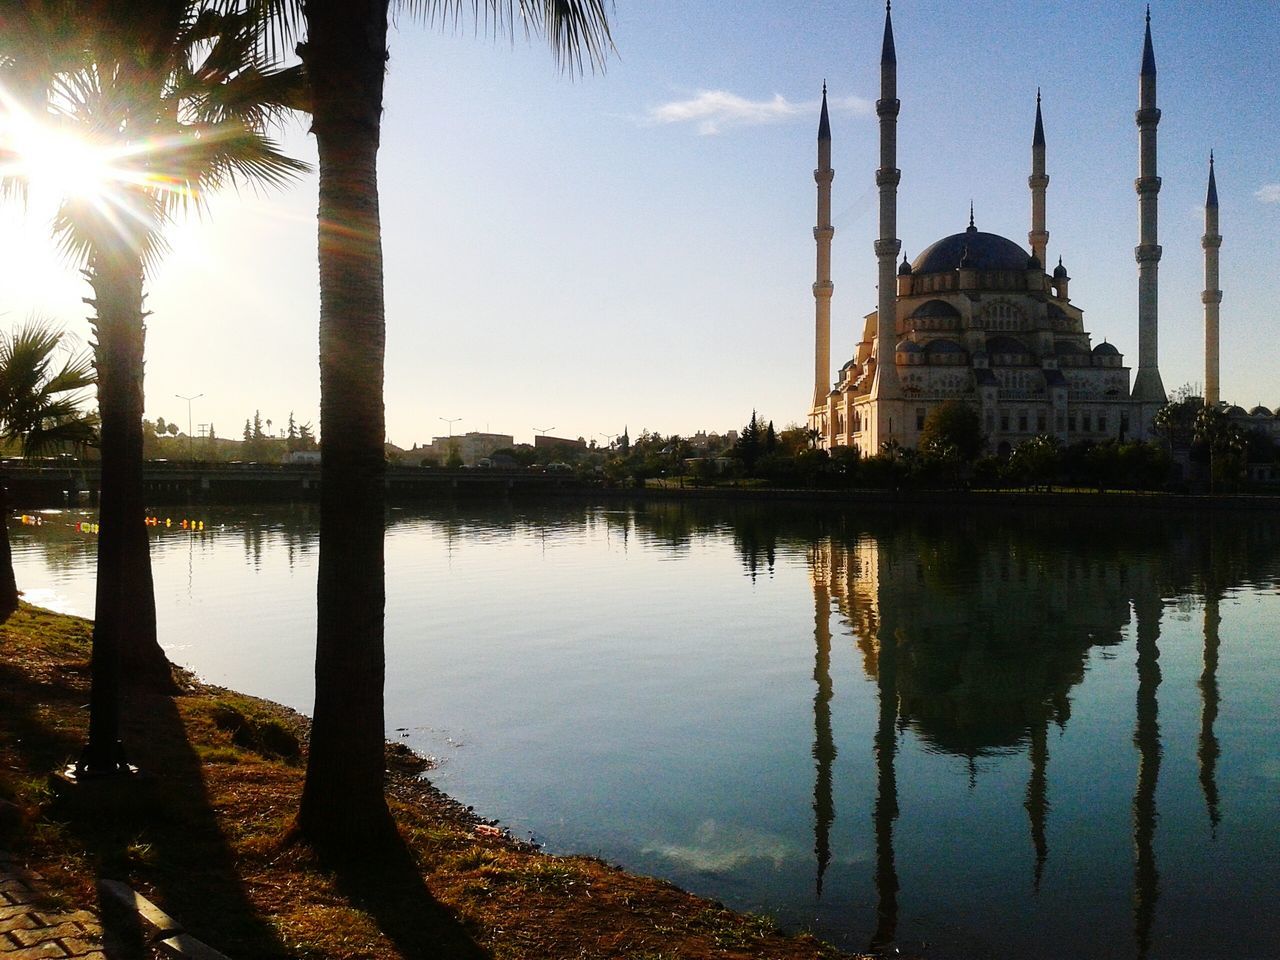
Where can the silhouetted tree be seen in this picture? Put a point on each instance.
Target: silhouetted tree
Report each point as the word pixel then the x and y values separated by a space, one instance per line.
pixel 953 424
pixel 172 92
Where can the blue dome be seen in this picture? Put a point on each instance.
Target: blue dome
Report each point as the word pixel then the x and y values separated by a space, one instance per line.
pixel 935 308
pixel 986 251
pixel 907 346
pixel 1105 349
pixel 943 346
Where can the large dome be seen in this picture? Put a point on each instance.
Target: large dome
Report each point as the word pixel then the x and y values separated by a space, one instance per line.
pixel 985 251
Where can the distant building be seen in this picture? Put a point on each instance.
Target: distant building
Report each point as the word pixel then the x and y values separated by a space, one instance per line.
pixel 546 443
pixel 976 316
pixel 472 447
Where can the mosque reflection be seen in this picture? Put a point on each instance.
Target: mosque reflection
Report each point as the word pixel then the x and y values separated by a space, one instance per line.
pixel 974 633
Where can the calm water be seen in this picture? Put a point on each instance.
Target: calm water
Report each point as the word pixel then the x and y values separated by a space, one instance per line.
pixel 997 735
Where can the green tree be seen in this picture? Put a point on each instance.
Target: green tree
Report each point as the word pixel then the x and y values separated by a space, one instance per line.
pixel 953 426
pixel 1036 461
pixel 453 460
pixel 1175 421
pixel 750 443
pixel 42 379
pixel 344 50
pixel 1224 443
pixel 161 427
pixel 172 99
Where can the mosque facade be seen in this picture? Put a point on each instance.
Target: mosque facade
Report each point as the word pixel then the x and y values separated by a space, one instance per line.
pixel 978 317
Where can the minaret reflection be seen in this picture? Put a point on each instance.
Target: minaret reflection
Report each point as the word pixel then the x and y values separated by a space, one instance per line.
pixel 1207 753
pixel 885 811
pixel 1146 737
pixel 824 745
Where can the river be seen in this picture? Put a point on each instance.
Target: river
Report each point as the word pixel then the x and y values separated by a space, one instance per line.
pixel 975 734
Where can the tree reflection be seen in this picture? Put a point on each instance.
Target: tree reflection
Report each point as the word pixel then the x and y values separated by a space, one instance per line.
pixel 1146 737
pixel 824 744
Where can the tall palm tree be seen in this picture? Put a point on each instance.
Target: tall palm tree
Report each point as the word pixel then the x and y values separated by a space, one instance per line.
pixel 344 51
pixel 42 379
pixel 174 98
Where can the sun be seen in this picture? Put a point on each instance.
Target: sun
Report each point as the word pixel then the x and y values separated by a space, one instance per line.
pixel 54 162
pixel 58 164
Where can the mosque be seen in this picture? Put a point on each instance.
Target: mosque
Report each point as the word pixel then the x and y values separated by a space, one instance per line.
pixel 978 317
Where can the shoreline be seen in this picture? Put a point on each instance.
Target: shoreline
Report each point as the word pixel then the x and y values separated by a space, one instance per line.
pixel 215 851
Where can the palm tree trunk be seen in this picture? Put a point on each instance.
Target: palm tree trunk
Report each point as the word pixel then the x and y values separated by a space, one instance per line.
pixel 124 630
pixel 8 583
pixel 343 806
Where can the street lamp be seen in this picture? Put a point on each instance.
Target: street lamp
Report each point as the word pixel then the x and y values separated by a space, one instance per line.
pixel 191 454
pixel 543 430
pixel 450 421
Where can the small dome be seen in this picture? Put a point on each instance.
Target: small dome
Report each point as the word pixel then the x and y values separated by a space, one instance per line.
pixel 935 308
pixel 907 346
pixel 985 251
pixel 1259 411
pixel 1234 411
pixel 1006 345
pixel 905 269
pixel 943 346
pixel 1105 349
pixel 1060 272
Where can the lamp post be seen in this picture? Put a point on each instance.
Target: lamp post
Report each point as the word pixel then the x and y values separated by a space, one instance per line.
pixel 450 421
pixel 191 454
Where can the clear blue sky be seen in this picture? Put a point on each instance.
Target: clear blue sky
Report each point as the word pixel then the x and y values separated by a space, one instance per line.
pixel 635 247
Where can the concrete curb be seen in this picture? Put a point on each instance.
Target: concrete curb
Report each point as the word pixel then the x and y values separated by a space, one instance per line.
pixel 166 932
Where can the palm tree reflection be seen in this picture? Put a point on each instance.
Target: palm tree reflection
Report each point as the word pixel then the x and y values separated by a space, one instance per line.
pixel 1146 737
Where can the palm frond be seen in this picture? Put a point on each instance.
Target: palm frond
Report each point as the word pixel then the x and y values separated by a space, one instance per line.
pixel 40 401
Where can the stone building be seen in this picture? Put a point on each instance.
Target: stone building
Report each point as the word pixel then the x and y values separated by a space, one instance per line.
pixel 977 316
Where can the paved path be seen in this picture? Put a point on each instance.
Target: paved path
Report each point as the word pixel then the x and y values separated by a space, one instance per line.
pixel 32 931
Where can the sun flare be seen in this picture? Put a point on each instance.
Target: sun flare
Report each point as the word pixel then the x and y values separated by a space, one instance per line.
pixel 59 164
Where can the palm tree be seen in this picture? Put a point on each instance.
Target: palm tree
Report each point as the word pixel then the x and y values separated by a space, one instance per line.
pixel 174 100
pixel 344 51
pixel 40 399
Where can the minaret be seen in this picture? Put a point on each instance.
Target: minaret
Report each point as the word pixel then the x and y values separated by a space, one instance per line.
pixel 886 384
pixel 1147 388
pixel 822 287
pixel 1038 182
pixel 1212 296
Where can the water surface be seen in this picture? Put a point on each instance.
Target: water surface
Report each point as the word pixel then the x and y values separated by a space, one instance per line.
pixel 992 733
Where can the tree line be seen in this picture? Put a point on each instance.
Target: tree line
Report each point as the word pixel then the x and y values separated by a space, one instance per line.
pixel 1197 447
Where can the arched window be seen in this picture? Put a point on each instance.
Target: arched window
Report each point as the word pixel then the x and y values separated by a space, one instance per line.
pixel 1003 316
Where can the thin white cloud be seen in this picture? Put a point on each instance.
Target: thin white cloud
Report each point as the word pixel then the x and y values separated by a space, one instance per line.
pixel 714 111
pixel 1270 193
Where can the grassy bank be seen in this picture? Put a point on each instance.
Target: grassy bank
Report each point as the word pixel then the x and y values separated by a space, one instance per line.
pixel 215 852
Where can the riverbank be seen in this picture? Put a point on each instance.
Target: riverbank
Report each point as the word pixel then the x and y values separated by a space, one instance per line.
pixel 226 772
